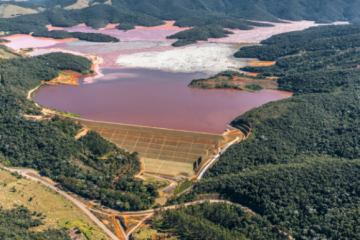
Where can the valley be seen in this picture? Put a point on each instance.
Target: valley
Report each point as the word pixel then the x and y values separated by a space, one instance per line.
pixel 184 122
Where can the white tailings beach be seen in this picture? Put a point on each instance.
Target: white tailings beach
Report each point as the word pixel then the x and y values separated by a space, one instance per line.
pixel 206 57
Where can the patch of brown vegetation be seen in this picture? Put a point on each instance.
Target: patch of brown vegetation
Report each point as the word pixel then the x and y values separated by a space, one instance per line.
pixel 66 78
pixel 6 55
pixel 252 74
pixel 117 228
pixel 112 222
pixel 258 63
pixel 130 222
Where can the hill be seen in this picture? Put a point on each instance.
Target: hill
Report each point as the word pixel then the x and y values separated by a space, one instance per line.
pixel 271 10
pixel 53 209
pixel 302 151
pixel 8 11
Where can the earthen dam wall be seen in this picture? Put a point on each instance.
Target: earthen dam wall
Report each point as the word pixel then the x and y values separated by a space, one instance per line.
pixel 165 152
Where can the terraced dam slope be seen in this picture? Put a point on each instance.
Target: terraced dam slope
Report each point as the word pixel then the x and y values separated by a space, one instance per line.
pixel 165 152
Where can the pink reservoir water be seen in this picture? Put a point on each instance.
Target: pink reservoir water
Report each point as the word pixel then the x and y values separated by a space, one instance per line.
pixel 155 98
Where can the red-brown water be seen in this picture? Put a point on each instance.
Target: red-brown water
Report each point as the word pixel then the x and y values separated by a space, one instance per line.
pixel 155 98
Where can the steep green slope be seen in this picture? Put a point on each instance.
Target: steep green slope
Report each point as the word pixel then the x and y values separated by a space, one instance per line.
pixel 270 10
pixel 318 198
pixel 300 166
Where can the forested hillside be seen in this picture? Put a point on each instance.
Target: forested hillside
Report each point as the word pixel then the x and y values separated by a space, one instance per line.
pixel 271 10
pixel 216 221
pixel 300 165
pixel 88 166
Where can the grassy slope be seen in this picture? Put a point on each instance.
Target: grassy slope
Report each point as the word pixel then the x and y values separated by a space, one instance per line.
pixel 59 211
pixel 6 54
pixel 8 11
pixel 79 4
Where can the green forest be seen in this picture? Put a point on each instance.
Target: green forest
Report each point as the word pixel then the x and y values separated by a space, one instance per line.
pixel 88 166
pixel 299 168
pixel 271 10
pixel 215 221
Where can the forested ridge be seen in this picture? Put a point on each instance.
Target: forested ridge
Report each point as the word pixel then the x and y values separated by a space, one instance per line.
pixel 88 166
pixel 300 166
pixel 316 10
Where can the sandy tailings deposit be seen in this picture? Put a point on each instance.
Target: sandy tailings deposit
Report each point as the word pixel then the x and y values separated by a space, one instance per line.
pixel 206 57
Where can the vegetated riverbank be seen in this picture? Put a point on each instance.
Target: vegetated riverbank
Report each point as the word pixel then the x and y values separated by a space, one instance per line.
pixel 235 80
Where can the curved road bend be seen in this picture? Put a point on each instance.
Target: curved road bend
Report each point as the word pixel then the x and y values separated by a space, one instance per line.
pixel 73 200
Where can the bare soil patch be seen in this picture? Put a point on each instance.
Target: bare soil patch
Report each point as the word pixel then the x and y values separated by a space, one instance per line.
pixel 236 82
pixel 258 63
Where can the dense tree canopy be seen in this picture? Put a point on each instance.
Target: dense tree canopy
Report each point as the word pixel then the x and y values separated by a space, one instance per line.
pixel 216 221
pixel 300 165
